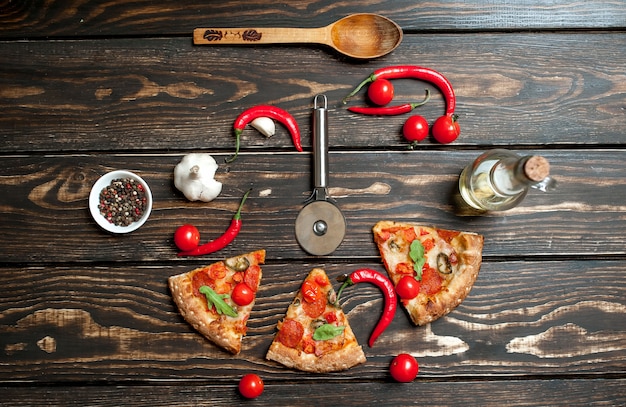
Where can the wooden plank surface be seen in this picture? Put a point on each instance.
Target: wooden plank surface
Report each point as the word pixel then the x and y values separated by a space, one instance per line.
pixel 584 393
pixel 419 186
pixel 164 94
pixel 86 318
pixel 121 319
pixel 37 19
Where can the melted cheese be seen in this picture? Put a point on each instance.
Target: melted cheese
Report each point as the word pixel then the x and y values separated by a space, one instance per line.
pixel 397 248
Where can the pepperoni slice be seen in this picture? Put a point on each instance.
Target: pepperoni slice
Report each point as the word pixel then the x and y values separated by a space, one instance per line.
pixel 217 271
pixel 251 277
pixel 431 281
pixel 290 334
pixel 198 280
pixel 314 309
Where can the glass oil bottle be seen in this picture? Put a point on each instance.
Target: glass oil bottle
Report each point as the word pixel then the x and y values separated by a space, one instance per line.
pixel 500 179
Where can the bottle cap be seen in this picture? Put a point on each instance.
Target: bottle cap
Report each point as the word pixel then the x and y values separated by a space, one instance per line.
pixel 537 168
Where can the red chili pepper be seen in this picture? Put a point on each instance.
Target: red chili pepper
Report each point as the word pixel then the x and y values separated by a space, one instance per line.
pixel 382 282
pixel 389 110
pixel 272 112
pixel 415 72
pixel 225 239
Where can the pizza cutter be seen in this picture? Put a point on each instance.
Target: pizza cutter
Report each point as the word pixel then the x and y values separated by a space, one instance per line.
pixel 320 225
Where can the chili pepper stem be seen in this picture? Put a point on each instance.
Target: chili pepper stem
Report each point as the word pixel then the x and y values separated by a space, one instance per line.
pixel 346 282
pixel 423 102
pixel 237 145
pixel 237 214
pixel 360 86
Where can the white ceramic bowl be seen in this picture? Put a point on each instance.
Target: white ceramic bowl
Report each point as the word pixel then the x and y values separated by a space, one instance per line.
pixel 94 200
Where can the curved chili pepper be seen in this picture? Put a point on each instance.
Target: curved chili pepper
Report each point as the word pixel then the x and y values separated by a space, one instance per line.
pixel 272 112
pixel 382 282
pixel 389 110
pixel 415 72
pixel 225 239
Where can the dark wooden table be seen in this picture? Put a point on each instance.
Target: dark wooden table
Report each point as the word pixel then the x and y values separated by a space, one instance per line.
pixel 86 317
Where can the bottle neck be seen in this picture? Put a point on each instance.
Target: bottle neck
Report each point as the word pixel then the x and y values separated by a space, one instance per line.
pixel 513 175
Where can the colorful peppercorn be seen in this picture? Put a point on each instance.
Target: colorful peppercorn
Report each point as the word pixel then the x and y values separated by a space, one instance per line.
pixel 123 201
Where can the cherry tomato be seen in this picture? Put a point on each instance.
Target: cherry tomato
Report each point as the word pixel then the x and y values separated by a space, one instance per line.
pixel 404 368
pixel 380 92
pixel 251 386
pixel 446 129
pixel 242 294
pixel 415 129
pixel 408 287
pixel 310 291
pixel 187 237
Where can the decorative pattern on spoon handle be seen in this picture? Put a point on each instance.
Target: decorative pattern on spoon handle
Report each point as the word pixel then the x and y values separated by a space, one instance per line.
pixel 213 35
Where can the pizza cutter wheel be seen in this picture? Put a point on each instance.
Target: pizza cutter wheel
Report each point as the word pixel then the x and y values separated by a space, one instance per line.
pixel 320 225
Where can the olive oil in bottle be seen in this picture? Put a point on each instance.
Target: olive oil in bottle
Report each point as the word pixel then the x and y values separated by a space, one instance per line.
pixel 499 179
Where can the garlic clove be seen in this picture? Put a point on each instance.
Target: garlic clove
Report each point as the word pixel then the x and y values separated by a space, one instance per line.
pixel 264 125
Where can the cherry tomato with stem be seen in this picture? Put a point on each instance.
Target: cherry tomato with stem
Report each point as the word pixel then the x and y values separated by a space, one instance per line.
pixel 187 237
pixel 380 92
pixel 404 368
pixel 415 129
pixel 446 129
pixel 408 287
pixel 242 294
pixel 251 386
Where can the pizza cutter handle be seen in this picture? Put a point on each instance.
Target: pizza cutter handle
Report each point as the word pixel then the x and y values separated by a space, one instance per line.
pixel 320 144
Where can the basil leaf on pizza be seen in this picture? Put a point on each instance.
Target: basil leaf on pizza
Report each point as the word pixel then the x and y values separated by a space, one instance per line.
pixel 202 294
pixel 446 262
pixel 315 335
pixel 416 253
pixel 217 300
pixel 327 331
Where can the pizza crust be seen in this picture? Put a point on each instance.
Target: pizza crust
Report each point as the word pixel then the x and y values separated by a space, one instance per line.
pixel 194 312
pixel 424 308
pixel 348 354
pixel 220 329
pixel 336 361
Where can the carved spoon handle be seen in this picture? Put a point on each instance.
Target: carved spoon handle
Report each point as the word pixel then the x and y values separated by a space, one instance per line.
pixel 251 36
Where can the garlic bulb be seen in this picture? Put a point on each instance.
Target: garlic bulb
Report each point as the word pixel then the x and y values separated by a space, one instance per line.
pixel 194 176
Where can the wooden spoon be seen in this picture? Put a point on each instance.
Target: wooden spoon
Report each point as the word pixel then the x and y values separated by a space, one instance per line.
pixel 362 36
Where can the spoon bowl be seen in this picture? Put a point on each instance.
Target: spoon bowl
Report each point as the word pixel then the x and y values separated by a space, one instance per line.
pixel 360 36
pixel 365 36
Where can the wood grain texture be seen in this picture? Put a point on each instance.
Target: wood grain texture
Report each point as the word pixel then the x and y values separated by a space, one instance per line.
pixel 164 94
pixel 121 319
pixel 46 219
pixel 555 392
pixel 86 87
pixel 36 19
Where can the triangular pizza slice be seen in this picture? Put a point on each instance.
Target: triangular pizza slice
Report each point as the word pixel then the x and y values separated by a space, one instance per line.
pixel 444 263
pixel 217 299
pixel 315 335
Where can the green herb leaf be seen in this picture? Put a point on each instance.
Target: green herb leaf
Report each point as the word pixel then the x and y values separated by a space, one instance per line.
pixel 327 331
pixel 417 255
pixel 216 300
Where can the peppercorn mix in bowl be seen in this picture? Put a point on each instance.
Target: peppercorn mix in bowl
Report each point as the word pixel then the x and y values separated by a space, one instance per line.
pixel 120 201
